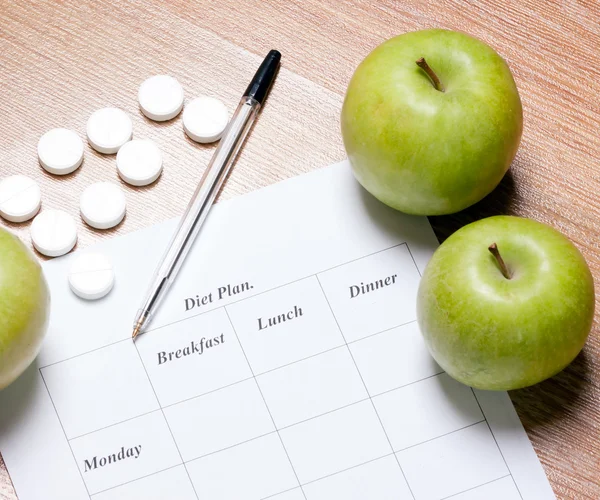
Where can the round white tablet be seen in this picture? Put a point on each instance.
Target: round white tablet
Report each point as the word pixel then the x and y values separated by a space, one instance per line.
pixel 102 205
pixel 108 129
pixel 139 162
pixel 161 98
pixel 91 276
pixel 205 119
pixel 53 233
pixel 60 151
pixel 20 198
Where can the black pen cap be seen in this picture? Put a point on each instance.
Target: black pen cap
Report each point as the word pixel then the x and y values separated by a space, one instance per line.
pixel 263 79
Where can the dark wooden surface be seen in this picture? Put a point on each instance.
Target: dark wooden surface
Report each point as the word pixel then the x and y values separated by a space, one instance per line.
pixel 61 60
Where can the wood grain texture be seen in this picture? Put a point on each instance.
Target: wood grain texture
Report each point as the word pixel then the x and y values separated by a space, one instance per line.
pixel 60 61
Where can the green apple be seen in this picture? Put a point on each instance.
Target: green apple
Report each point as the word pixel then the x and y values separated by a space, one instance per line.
pixel 24 307
pixel 431 121
pixel 505 303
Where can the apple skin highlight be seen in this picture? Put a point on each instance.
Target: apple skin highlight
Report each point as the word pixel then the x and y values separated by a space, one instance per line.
pixel 494 333
pixel 24 307
pixel 427 151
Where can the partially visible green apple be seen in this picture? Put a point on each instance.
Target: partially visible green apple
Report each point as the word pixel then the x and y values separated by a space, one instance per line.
pixel 24 307
pixel 431 149
pixel 508 316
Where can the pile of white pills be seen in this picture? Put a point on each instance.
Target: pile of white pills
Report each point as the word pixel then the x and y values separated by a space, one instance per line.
pixel 108 129
pixel 54 233
pixel 91 276
pixel 60 151
pixel 139 162
pixel 20 198
pixel 161 98
pixel 205 119
pixel 103 205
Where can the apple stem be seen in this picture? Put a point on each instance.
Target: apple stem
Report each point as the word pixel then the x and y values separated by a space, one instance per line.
pixel 431 74
pixel 493 248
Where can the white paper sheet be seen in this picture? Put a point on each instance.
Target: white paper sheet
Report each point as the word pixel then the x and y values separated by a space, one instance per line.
pixel 286 363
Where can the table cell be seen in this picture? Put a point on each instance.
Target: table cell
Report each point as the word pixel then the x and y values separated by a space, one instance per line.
pixel 170 483
pixel 285 325
pixel 125 452
pixel 193 357
pixel 99 388
pixel 336 441
pixel 426 410
pixel 295 494
pixel 251 471
pixel 312 387
pixel 380 479
pixel 373 294
pixel 501 489
pixel 218 420
pixel 393 359
pixel 453 463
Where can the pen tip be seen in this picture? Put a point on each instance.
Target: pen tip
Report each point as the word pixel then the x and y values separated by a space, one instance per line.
pixel 136 331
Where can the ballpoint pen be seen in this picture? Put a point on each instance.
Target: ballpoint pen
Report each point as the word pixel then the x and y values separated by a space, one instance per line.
pixel 207 189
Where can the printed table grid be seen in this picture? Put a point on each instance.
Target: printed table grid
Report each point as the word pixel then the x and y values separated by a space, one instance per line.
pixel 365 385
pixel 167 422
pixel 497 445
pixel 454 495
pixel 394 452
pixel 191 316
pixel 267 406
pixel 346 345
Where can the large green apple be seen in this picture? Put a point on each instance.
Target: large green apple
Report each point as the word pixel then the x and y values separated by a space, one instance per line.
pixel 24 307
pixel 431 136
pixel 505 303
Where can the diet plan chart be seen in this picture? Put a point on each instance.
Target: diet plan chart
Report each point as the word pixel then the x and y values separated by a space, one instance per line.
pixel 286 363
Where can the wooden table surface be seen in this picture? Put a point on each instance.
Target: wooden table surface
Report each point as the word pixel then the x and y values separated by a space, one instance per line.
pixel 61 60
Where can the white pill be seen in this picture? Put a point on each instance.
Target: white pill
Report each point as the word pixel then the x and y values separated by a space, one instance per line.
pixel 161 98
pixel 20 198
pixel 53 233
pixel 60 151
pixel 108 129
pixel 103 205
pixel 205 119
pixel 139 162
pixel 91 276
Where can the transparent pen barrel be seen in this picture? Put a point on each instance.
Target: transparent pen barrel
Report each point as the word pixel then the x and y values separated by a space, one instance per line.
pixel 210 184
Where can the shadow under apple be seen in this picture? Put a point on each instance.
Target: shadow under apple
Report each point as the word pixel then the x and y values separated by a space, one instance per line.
pixel 499 202
pixel 543 404
pixel 19 396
